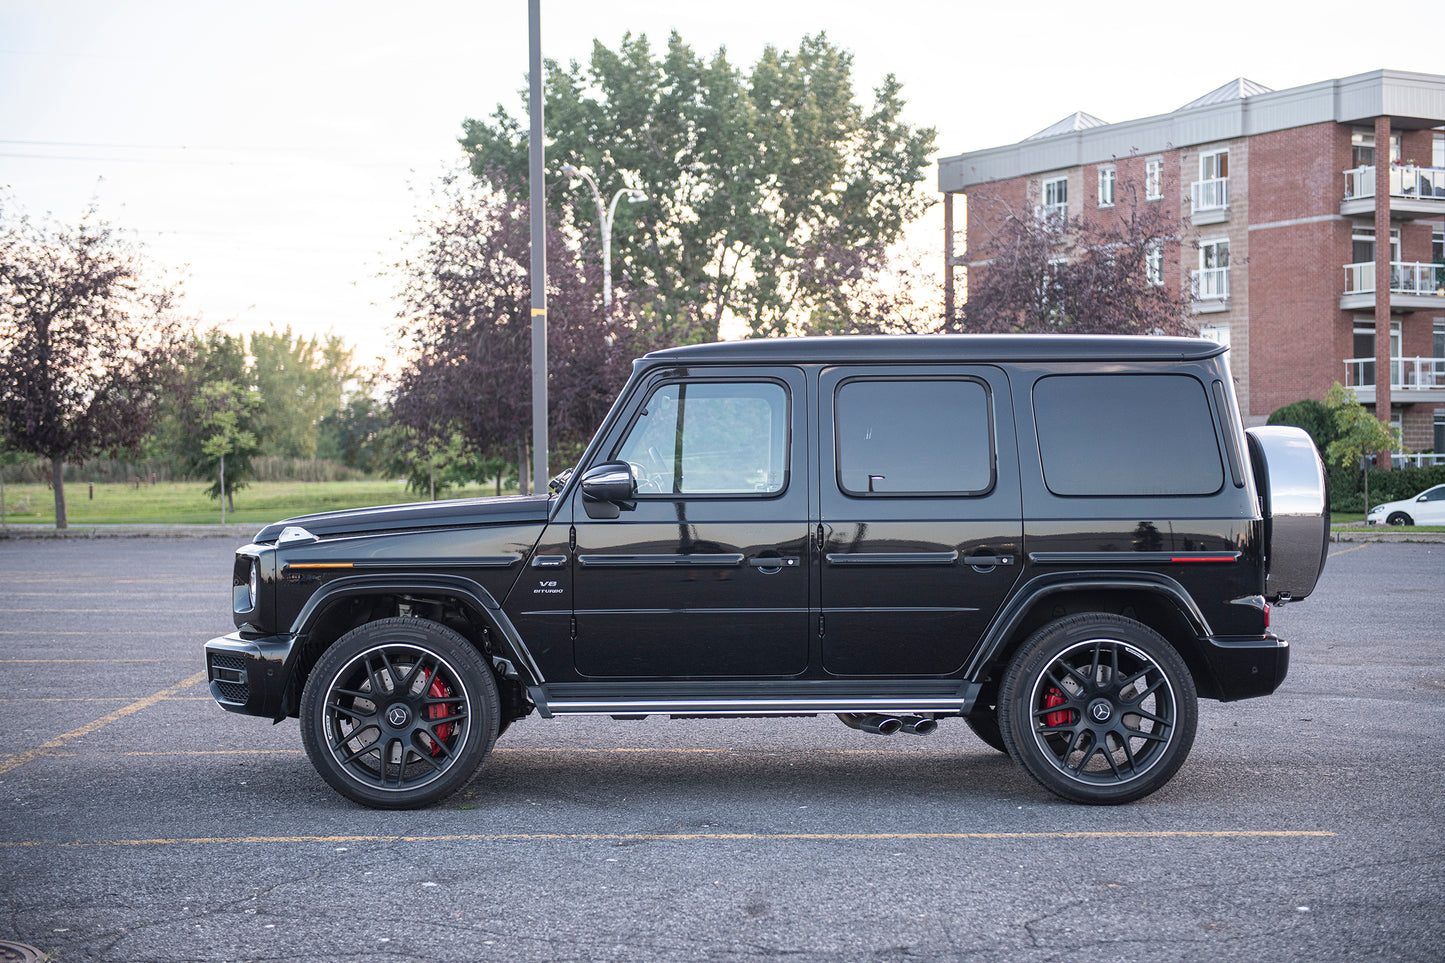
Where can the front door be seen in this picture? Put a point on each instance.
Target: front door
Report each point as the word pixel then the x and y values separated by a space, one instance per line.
pixel 921 515
pixel 707 576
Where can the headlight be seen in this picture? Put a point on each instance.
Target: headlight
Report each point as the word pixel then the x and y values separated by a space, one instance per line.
pixel 245 587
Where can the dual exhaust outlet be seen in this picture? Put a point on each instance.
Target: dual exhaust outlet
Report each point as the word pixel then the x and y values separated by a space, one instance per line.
pixel 886 725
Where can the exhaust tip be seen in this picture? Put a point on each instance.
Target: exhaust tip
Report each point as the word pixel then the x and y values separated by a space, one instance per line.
pixel 919 725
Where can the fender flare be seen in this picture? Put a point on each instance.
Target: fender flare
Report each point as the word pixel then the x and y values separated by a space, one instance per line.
pixel 1041 587
pixel 465 590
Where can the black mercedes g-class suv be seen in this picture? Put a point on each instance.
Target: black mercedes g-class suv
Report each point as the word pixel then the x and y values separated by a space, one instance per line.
pixel 1062 541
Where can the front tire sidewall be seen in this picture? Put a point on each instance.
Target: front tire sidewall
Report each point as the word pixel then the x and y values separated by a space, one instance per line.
pixel 1027 676
pixel 466 673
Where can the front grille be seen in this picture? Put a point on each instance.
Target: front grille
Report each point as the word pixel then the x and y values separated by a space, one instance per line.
pixel 228 672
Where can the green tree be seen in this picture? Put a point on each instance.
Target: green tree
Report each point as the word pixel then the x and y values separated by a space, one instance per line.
pixel 1357 432
pixel 227 407
pixel 1310 415
pixel 757 184
pixel 349 434
pixel 212 371
pixel 87 335
pixel 301 381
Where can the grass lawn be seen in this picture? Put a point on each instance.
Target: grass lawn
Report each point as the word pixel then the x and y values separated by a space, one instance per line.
pixel 186 503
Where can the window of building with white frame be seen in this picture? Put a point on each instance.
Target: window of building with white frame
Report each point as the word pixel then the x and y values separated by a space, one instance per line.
pixel 1211 281
pixel 1154 263
pixel 1153 178
pixel 1056 198
pixel 1106 185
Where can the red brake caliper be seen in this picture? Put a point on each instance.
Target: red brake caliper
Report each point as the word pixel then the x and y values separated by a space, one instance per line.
pixel 1053 697
pixel 438 690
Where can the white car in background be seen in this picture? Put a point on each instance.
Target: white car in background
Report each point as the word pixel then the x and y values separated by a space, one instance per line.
pixel 1426 508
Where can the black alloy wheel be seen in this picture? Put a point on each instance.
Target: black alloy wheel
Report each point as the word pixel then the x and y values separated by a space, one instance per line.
pixel 1399 518
pixel 399 713
pixel 1098 709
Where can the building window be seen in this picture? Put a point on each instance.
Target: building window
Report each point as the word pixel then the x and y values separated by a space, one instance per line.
pixel 1437 154
pixel 1211 191
pixel 1439 430
pixel 1106 186
pixel 1214 165
pixel 1211 281
pixel 1362 147
pixel 1056 198
pixel 1154 263
pixel 1154 178
pixel 1218 333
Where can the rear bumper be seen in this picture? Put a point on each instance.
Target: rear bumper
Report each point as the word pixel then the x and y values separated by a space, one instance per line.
pixel 248 674
pixel 1245 668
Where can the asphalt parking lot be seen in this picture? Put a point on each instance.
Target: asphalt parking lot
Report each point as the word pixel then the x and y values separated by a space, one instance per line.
pixel 141 823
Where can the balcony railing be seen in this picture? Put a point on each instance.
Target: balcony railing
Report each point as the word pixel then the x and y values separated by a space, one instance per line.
pixel 1412 374
pixel 1406 277
pixel 1406 181
pixel 1398 460
pixel 1210 284
pixel 1209 195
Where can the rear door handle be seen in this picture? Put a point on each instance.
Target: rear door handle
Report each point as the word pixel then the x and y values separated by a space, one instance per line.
pixel 987 561
pixel 774 562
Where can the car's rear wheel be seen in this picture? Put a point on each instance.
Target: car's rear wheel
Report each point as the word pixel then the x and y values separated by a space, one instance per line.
pixel 399 713
pixel 1399 518
pixel 1098 709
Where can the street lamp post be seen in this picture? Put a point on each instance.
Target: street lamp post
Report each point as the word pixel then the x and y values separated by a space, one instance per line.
pixel 604 225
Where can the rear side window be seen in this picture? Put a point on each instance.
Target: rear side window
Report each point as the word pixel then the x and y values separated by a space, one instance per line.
pixel 1126 435
pixel 915 437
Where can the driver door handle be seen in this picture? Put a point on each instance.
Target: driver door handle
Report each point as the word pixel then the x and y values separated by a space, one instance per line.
pixel 774 562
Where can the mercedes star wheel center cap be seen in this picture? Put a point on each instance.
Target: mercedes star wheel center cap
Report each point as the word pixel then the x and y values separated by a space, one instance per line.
pixel 1101 711
pixel 398 715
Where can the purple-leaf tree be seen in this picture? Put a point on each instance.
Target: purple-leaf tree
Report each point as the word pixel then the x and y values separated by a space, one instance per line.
pixel 86 341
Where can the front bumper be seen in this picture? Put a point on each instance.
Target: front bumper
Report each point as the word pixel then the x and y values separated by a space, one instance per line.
pixel 248 674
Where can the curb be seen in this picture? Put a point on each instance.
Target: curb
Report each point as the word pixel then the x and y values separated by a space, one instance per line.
pixel 1365 535
pixel 32 532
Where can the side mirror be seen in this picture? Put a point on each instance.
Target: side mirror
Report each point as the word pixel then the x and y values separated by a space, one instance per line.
pixel 608 488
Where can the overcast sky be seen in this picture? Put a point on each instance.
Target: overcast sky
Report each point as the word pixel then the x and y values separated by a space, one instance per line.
pixel 279 150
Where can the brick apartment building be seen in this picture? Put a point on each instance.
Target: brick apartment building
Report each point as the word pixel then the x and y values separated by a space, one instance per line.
pixel 1283 197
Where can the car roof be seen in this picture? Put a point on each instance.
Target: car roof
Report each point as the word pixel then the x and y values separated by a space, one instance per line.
pixel 941 347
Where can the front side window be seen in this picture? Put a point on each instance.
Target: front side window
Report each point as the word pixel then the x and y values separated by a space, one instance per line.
pixel 1119 435
pixel 915 437
pixel 710 438
pixel 1106 186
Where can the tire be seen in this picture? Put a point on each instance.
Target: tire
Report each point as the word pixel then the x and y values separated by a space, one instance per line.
pixel 1399 518
pixel 1098 709
pixel 420 743
pixel 983 720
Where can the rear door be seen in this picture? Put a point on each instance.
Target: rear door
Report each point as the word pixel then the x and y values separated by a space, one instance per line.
pixel 921 522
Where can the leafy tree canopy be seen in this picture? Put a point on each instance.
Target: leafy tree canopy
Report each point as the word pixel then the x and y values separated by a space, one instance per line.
pixel 1357 432
pixel 1073 275
pixel 757 183
pixel 87 334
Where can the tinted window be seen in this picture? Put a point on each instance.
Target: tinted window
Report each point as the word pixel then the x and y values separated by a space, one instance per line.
pixel 710 439
pixel 1126 435
pixel 913 437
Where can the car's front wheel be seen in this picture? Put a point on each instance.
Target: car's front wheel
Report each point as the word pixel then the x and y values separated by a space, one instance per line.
pixel 1098 708
pixel 1399 518
pixel 399 713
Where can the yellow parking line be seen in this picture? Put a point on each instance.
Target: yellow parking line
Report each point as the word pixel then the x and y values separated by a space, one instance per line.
pixel 14 762
pixel 689 837
pixel 1346 551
